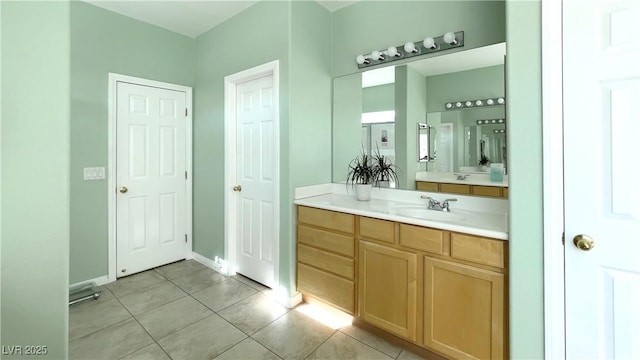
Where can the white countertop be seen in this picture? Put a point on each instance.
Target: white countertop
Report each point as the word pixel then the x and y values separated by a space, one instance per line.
pixel 482 179
pixel 469 220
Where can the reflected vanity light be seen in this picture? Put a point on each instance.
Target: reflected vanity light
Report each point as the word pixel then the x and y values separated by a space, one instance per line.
pixel 490 122
pixel 427 46
pixel 451 105
pixel 362 60
pixel 498 131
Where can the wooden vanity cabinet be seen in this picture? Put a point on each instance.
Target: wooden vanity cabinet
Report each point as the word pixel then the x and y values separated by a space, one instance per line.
pixel 387 289
pixel 463 189
pixel 326 256
pixel 444 291
pixel 465 304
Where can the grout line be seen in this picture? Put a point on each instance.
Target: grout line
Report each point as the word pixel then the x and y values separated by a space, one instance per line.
pixel 378 350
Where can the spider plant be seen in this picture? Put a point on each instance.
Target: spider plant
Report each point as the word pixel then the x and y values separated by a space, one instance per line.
pixel 361 170
pixel 384 170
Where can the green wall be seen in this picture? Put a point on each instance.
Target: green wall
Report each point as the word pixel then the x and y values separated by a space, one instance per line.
pixel 263 34
pixel 370 25
pixel 524 111
pixel 102 42
pixel 298 35
pixel 309 135
pixel 378 98
pixel 411 108
pixel 347 128
pixel 35 176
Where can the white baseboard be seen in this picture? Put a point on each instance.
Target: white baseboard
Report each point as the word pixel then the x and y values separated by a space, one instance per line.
pixel 102 280
pixel 209 263
pixel 293 301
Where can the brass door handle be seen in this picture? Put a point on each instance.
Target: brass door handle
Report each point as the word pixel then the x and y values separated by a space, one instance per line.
pixel 237 188
pixel 123 189
pixel 584 242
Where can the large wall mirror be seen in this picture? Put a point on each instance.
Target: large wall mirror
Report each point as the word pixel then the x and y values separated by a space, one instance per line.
pixel 380 109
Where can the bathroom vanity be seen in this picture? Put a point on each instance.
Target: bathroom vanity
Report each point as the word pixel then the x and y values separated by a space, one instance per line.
pixel 436 279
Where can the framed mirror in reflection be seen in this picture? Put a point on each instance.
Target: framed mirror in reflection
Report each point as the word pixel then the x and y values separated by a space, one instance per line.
pixel 381 109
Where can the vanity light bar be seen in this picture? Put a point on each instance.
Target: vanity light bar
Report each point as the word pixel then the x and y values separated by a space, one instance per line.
pixel 429 45
pixel 462 104
pixel 490 121
pixel 498 131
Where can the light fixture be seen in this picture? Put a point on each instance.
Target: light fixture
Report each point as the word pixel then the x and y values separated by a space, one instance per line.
pixel 499 131
pixel 377 55
pixel 392 51
pixel 450 38
pixel 410 48
pixel 429 45
pixel 450 105
pixel 362 60
pixel 490 122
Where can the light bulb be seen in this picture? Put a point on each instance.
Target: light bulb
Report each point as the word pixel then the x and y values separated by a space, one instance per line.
pixel 479 122
pixel 501 101
pixel 500 121
pixel 493 121
pixel 479 103
pixel 449 105
pixel 468 104
pixel 450 38
pixel 458 104
pixel 410 48
pixel 377 55
pixel 490 102
pixel 393 52
pixel 360 59
pixel 429 43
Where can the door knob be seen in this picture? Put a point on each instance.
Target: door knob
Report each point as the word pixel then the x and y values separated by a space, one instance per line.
pixel 123 189
pixel 584 242
pixel 237 188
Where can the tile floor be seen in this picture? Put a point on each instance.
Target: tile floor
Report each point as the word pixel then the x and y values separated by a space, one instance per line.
pixel 185 310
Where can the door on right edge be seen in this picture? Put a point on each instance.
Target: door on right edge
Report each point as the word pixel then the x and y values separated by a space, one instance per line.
pixel 601 67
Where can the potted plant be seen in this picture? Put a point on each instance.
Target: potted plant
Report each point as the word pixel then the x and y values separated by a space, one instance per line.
pixel 483 163
pixel 361 175
pixel 385 171
pixel 366 171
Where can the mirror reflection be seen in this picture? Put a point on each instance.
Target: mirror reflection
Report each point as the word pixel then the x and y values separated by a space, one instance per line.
pixel 381 109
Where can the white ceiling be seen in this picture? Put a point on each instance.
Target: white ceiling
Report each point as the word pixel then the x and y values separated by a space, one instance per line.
pixel 189 17
pixel 459 61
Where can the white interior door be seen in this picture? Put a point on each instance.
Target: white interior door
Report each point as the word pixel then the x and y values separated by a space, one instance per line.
pixel 601 56
pixel 256 220
pixel 151 177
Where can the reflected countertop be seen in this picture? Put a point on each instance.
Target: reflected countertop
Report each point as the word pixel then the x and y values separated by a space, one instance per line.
pixel 470 220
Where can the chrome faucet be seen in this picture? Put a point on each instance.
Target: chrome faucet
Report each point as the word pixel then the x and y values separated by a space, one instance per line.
pixel 436 205
pixel 461 177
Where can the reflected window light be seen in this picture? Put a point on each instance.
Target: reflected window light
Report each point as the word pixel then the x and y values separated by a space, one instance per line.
pixel 377 117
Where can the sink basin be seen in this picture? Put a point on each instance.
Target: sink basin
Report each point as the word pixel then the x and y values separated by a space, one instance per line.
pixel 426 214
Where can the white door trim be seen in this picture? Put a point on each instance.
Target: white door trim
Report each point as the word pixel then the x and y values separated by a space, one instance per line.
pixel 111 162
pixel 230 87
pixel 553 180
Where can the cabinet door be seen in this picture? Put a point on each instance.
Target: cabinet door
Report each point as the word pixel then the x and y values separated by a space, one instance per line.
pixel 464 314
pixel 387 288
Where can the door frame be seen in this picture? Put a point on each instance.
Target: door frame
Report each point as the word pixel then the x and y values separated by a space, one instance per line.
pixel 111 162
pixel 553 180
pixel 231 83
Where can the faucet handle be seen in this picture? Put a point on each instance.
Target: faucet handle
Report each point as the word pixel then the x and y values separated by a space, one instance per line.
pixel 450 200
pixel 445 204
pixel 425 197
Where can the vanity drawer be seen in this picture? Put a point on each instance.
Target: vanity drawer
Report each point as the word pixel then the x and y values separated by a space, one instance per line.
pixel 478 249
pixel 327 240
pixel 505 192
pixel 326 219
pixel 327 287
pixel 376 229
pixel 455 188
pixel 425 239
pixel 487 190
pixel 333 263
pixel 426 186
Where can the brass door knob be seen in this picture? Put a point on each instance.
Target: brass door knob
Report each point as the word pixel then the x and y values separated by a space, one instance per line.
pixel 584 242
pixel 237 188
pixel 123 189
